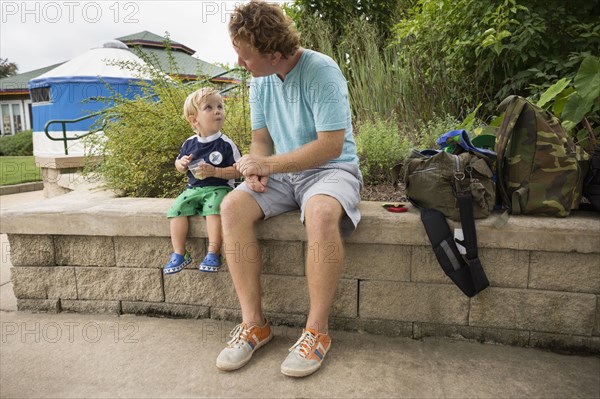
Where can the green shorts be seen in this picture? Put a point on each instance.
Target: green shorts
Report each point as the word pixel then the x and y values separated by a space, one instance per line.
pixel 201 201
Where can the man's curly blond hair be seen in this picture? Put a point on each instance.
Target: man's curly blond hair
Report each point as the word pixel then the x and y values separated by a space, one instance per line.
pixel 265 28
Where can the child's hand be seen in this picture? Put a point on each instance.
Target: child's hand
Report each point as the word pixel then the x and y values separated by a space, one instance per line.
pixel 185 160
pixel 204 170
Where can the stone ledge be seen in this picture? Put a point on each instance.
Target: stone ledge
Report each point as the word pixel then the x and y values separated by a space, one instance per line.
pixel 146 217
pixel 91 252
pixel 21 188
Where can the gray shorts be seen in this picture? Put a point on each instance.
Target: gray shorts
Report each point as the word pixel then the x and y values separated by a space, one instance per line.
pixel 290 191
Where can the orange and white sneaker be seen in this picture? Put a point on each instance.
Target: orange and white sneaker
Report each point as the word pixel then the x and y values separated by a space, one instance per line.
pixel 307 354
pixel 245 339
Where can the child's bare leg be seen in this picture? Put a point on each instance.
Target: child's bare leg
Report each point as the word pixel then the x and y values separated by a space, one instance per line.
pixel 215 236
pixel 179 230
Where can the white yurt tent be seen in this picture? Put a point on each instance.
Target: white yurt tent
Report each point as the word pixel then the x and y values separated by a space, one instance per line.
pixel 67 92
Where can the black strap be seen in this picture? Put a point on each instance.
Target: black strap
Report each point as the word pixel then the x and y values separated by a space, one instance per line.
pixel 467 222
pixel 467 274
pixel 441 240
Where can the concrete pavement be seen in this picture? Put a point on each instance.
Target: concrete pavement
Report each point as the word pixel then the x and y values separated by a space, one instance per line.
pixel 103 356
pixel 72 355
pixel 7 298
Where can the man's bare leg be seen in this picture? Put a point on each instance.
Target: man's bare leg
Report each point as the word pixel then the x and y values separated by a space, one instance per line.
pixel 325 257
pixel 239 213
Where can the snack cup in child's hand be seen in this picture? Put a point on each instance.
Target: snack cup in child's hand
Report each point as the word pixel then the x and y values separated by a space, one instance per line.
pixel 193 165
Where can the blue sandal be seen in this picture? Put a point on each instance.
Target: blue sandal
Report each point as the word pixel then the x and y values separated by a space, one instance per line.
pixel 211 263
pixel 177 263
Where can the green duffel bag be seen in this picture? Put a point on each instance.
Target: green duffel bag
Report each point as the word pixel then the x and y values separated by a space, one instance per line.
pixel 434 178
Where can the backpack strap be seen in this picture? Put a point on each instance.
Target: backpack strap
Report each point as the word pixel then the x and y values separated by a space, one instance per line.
pixel 442 241
pixel 468 275
pixel 518 198
pixel 512 107
pixel 467 222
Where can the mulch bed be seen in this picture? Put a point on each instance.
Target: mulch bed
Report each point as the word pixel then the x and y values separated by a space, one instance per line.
pixel 384 192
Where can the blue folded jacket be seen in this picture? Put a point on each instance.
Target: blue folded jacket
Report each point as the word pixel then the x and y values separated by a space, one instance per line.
pixel 461 138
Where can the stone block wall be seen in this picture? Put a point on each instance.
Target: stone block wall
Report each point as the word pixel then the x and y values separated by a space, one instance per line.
pixel 543 293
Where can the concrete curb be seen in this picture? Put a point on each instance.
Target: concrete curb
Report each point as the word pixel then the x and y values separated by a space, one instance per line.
pixel 21 188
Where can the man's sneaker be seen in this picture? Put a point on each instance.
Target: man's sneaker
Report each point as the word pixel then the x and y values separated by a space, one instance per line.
pixel 211 263
pixel 245 339
pixel 306 355
pixel 177 263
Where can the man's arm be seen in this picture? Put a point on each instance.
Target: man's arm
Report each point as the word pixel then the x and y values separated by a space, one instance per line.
pixel 262 144
pixel 326 147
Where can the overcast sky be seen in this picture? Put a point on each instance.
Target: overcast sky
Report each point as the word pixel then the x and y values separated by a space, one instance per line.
pixel 35 34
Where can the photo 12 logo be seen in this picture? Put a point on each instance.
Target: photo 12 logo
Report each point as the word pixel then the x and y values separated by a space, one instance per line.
pixel 219 10
pixel 53 332
pixel 69 11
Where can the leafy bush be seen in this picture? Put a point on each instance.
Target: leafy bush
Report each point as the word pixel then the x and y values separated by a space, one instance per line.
pixel 492 49
pixel 380 147
pixel 237 116
pixel 578 102
pixel 142 136
pixel 20 144
pixel 428 131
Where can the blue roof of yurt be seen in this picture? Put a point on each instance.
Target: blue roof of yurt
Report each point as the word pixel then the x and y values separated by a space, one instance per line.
pixel 74 85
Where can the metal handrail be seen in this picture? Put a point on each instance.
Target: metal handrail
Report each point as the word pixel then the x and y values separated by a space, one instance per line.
pixel 64 122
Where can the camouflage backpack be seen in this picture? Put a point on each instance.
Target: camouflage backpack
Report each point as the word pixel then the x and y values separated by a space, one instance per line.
pixel 539 168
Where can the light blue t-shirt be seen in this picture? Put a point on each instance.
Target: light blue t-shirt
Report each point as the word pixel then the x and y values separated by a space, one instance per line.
pixel 313 97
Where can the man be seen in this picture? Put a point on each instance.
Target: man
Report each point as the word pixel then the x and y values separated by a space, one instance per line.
pixel 299 106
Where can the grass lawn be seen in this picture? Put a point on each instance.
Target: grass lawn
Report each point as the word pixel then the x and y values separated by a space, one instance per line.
pixel 15 170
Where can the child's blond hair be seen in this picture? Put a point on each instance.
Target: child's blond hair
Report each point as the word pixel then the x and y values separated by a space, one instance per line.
pixel 193 100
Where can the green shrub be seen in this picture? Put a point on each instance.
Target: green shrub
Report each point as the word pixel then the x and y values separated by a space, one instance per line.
pixel 140 143
pixel 490 49
pixel 427 131
pixel 415 59
pixel 380 147
pixel 21 144
pixel 143 136
pixel 237 118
